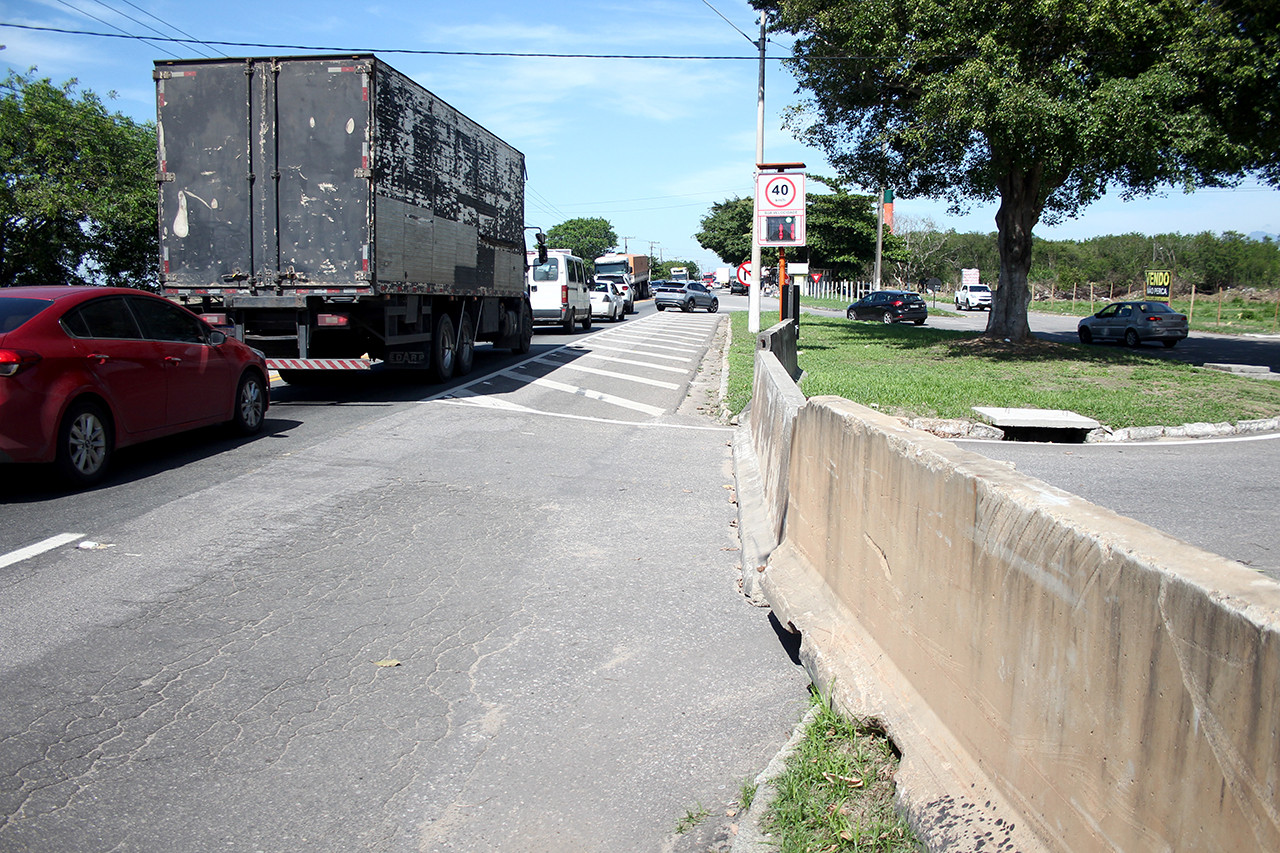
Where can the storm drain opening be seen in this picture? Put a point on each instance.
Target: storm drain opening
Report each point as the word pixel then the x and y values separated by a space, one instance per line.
pixel 1038 425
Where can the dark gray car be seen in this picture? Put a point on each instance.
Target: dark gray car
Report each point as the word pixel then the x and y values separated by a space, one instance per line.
pixel 890 306
pixel 685 295
pixel 1133 323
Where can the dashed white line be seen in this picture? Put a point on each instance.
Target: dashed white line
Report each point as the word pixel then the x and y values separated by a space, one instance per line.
pixel 38 548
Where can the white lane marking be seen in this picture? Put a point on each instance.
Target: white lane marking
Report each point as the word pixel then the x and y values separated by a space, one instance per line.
pixel 613 358
pixel 486 402
pixel 648 344
pixel 598 420
pixel 631 350
pixel 646 335
pixel 38 548
pixel 627 377
pixel 593 395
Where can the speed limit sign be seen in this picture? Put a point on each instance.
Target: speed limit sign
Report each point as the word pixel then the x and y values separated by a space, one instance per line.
pixel 780 209
pixel 780 193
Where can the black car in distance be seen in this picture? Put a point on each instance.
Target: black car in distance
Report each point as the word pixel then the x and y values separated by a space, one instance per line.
pixel 890 306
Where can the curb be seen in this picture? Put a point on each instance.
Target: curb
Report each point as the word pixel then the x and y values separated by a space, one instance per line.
pixel 751 837
pixel 961 428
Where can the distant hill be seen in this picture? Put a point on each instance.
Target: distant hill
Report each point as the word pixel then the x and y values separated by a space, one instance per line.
pixel 1259 235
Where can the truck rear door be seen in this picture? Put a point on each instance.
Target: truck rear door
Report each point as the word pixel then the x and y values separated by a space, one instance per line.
pixel 202 128
pixel 322 145
pixel 264 173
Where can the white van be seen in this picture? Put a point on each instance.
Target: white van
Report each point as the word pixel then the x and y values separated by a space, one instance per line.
pixel 558 291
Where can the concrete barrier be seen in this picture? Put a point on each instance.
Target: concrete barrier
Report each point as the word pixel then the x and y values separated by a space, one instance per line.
pixel 780 339
pixel 1057 676
pixel 766 434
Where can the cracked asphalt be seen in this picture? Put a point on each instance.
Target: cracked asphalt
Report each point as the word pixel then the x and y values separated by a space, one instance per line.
pixel 577 670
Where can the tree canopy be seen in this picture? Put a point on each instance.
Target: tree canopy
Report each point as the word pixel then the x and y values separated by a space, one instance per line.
pixel 77 193
pixel 726 230
pixel 588 238
pixel 1042 106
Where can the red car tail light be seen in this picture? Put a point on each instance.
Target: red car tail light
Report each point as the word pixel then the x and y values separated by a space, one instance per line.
pixel 14 361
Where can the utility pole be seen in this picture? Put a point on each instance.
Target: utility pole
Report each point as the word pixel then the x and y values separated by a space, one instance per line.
pixel 624 245
pixel 753 292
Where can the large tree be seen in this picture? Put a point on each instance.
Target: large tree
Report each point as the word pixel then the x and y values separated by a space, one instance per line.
pixel 588 238
pixel 77 188
pixel 1041 105
pixel 726 230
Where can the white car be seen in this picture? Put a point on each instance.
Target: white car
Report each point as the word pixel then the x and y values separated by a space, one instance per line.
pixel 606 301
pixel 973 297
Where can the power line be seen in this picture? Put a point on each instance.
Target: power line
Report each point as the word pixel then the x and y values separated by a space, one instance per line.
pixel 312 48
pixel 731 23
pixel 113 35
pixel 155 17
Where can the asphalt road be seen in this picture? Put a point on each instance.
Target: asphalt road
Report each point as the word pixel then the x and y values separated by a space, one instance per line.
pixel 547 549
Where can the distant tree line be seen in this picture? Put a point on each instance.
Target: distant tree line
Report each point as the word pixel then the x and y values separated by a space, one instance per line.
pixel 1205 261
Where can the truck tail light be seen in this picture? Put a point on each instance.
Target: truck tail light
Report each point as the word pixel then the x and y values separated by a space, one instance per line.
pixel 333 320
pixel 215 320
pixel 14 361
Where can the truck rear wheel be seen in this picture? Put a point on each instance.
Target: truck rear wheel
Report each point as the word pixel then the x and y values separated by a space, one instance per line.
pixel 443 349
pixel 466 350
pixel 526 330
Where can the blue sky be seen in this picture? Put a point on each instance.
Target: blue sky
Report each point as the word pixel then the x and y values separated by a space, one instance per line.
pixel 648 144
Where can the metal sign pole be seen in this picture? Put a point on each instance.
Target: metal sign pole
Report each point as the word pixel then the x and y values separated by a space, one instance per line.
pixel 753 288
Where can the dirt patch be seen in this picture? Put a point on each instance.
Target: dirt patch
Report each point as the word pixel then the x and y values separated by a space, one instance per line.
pixel 1028 349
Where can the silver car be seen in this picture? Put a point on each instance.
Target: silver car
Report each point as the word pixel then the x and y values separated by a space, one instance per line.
pixel 1133 323
pixel 685 295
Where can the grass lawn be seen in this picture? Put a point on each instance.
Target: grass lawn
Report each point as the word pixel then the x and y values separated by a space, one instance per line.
pixel 913 371
pixel 837 791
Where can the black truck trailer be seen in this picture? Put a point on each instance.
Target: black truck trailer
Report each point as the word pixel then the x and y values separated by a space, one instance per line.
pixel 333 213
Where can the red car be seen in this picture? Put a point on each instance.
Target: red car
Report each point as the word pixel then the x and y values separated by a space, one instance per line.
pixel 86 370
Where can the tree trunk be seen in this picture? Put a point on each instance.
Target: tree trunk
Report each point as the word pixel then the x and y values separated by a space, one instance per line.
pixel 1019 212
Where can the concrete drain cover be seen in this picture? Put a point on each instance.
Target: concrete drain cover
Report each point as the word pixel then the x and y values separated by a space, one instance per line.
pixel 1037 424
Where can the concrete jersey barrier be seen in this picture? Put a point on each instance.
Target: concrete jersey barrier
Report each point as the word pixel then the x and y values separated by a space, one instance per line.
pixel 1058 677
